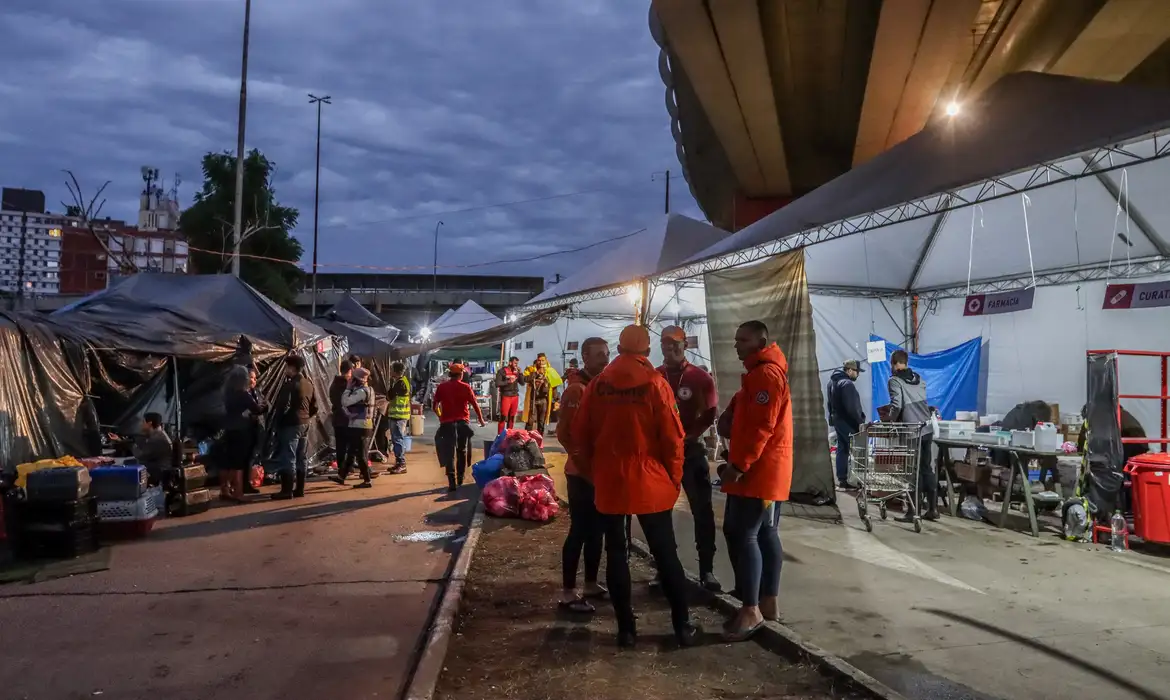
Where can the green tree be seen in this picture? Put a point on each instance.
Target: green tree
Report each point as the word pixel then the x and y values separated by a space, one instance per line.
pixel 269 253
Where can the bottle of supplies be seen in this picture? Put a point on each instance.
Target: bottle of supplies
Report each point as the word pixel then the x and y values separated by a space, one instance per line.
pixel 1119 530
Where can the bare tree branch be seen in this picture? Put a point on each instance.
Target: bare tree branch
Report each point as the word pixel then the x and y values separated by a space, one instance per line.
pixel 90 211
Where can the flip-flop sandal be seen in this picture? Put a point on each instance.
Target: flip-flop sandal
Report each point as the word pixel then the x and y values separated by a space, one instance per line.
pixel 733 636
pixel 579 606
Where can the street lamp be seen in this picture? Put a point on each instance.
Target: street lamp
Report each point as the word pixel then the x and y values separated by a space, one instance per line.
pixel 435 268
pixel 238 213
pixel 314 100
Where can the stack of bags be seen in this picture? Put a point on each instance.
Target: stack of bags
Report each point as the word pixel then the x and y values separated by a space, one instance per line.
pixel 514 452
pixel 512 478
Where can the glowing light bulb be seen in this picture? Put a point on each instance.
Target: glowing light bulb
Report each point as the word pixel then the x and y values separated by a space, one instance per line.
pixel 425 333
pixel 953 108
pixel 635 294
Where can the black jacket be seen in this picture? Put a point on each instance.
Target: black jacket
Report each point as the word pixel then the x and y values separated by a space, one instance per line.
pixel 298 402
pixel 844 402
pixel 336 389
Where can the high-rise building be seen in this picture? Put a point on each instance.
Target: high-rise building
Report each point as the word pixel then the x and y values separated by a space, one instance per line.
pixel 30 244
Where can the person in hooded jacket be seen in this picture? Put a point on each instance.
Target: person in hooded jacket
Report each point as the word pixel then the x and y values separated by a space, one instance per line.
pixel 845 414
pixel 585 526
pixel 628 438
pixel 908 404
pixel 757 478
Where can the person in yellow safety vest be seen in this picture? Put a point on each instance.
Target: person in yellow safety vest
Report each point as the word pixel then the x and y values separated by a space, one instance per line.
pixel 398 411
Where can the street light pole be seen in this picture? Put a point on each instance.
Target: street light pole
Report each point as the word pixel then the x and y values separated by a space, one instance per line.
pixel 238 214
pixel 435 270
pixel 313 99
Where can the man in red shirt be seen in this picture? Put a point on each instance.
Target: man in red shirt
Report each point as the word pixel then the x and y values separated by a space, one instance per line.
pixel 453 439
pixel 694 393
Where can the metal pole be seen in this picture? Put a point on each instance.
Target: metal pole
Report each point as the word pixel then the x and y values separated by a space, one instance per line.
pixel 667 209
pixel 313 99
pixel 435 271
pixel 238 214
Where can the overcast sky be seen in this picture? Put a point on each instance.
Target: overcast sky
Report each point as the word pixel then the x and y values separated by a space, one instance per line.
pixel 438 106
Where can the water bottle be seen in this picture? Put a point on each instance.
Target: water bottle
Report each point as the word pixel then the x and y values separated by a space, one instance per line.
pixel 1119 530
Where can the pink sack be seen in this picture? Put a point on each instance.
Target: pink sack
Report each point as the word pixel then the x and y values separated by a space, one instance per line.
pixel 537 438
pixel 501 497
pixel 538 498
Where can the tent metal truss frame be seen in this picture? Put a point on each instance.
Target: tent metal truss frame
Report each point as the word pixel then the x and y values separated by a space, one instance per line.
pixel 1096 164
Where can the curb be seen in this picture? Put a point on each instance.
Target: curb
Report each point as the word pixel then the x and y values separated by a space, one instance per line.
pixel 434 652
pixel 784 641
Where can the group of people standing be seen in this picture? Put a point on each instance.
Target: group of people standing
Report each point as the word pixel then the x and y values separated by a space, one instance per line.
pixel 540 382
pixel 354 416
pixel 633 434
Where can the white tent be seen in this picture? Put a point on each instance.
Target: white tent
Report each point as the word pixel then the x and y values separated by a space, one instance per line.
pixel 656 249
pixel 468 318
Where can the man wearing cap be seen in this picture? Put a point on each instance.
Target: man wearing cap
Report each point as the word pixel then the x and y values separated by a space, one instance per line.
pixel 453 439
pixel 629 440
pixel 694 393
pixel 845 414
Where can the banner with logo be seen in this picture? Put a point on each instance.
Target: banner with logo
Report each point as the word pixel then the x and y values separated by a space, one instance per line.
pixel 1144 295
pixel 1001 303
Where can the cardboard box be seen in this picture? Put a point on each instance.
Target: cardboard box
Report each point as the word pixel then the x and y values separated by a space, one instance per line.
pixel 1054 413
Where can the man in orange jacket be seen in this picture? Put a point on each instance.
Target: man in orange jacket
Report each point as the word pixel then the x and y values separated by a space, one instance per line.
pixel 756 478
pixel 629 439
pixel 586 532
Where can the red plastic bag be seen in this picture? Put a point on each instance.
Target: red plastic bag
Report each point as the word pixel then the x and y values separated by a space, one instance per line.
pixel 256 476
pixel 538 498
pixel 501 497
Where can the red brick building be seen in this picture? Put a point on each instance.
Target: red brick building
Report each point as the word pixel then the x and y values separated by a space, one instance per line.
pixel 86 268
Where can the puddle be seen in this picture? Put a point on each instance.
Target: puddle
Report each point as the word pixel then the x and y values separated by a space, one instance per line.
pixel 423 536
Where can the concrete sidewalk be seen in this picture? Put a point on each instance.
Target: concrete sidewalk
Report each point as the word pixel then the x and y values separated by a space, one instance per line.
pixel 310 598
pixel 967 611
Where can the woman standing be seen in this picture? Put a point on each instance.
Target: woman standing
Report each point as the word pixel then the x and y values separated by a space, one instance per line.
pixel 358 402
pixel 244 408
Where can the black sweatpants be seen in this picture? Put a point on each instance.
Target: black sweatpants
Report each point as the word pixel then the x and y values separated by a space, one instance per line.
pixel 927 476
pixel 356 440
pixel 453 445
pixel 659 531
pixel 696 483
pixel 586 533
pixel 340 445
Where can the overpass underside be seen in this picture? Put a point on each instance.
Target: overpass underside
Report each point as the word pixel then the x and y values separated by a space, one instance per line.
pixel 770 99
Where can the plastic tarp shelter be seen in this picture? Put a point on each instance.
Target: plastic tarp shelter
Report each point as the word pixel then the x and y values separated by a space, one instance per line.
pixel 651 251
pixel 368 336
pixel 468 318
pixel 164 342
pixel 951 376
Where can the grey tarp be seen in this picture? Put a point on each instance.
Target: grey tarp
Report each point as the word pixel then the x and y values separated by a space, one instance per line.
pixel 776 292
pixel 1020 121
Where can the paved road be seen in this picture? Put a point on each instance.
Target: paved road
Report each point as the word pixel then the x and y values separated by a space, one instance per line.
pixel 313 598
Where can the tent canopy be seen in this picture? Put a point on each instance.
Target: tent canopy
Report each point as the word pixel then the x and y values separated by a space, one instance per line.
pixel 350 310
pixel 1025 179
pixel 656 249
pixel 187 316
pixel 469 318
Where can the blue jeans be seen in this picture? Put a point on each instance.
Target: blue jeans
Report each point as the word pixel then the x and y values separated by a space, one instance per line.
pixel 292 449
pixel 398 438
pixel 753 545
pixel 844 438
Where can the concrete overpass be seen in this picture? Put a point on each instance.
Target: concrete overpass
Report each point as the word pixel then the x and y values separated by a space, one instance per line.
pixel 770 99
pixel 400 299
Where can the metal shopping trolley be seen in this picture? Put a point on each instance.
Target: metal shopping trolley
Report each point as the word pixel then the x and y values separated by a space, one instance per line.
pixel 884 460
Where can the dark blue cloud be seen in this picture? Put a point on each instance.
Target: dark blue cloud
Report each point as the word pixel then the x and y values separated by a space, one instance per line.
pixel 438 107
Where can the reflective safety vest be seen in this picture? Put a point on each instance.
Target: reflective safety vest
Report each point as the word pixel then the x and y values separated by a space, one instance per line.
pixel 400 406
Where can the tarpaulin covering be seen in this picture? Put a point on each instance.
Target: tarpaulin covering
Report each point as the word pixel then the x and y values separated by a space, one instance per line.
pixel 776 292
pixel 1105 449
pixel 43 385
pixel 951 376
pixel 370 338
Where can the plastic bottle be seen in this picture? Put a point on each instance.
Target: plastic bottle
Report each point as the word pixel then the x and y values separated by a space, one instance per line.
pixel 1119 530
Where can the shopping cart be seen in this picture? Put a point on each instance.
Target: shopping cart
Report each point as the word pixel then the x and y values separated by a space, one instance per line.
pixel 884 461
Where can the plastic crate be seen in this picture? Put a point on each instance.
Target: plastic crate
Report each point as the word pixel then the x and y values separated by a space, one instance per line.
pixel 124 529
pixel 53 515
pixel 58 544
pixel 118 483
pixel 189 503
pixel 143 508
pixel 58 484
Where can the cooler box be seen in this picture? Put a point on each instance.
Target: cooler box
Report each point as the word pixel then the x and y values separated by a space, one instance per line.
pixel 1150 478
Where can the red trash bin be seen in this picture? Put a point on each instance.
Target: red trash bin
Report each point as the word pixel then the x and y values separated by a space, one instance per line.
pixel 1150 487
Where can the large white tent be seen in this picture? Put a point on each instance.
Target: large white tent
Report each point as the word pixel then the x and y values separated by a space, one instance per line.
pixel 468 318
pixel 1043 181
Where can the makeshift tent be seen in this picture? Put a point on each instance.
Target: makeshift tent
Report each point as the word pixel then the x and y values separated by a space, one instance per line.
pixel 191 325
pixel 651 251
pixel 368 336
pixel 43 385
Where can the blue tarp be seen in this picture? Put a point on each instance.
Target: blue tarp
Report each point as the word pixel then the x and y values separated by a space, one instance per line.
pixel 951 376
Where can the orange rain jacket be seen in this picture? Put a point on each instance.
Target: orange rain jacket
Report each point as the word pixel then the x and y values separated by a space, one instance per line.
pixel 570 402
pixel 629 440
pixel 761 429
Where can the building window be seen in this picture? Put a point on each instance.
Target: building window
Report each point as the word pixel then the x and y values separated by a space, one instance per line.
pixel 528 345
pixel 518 345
